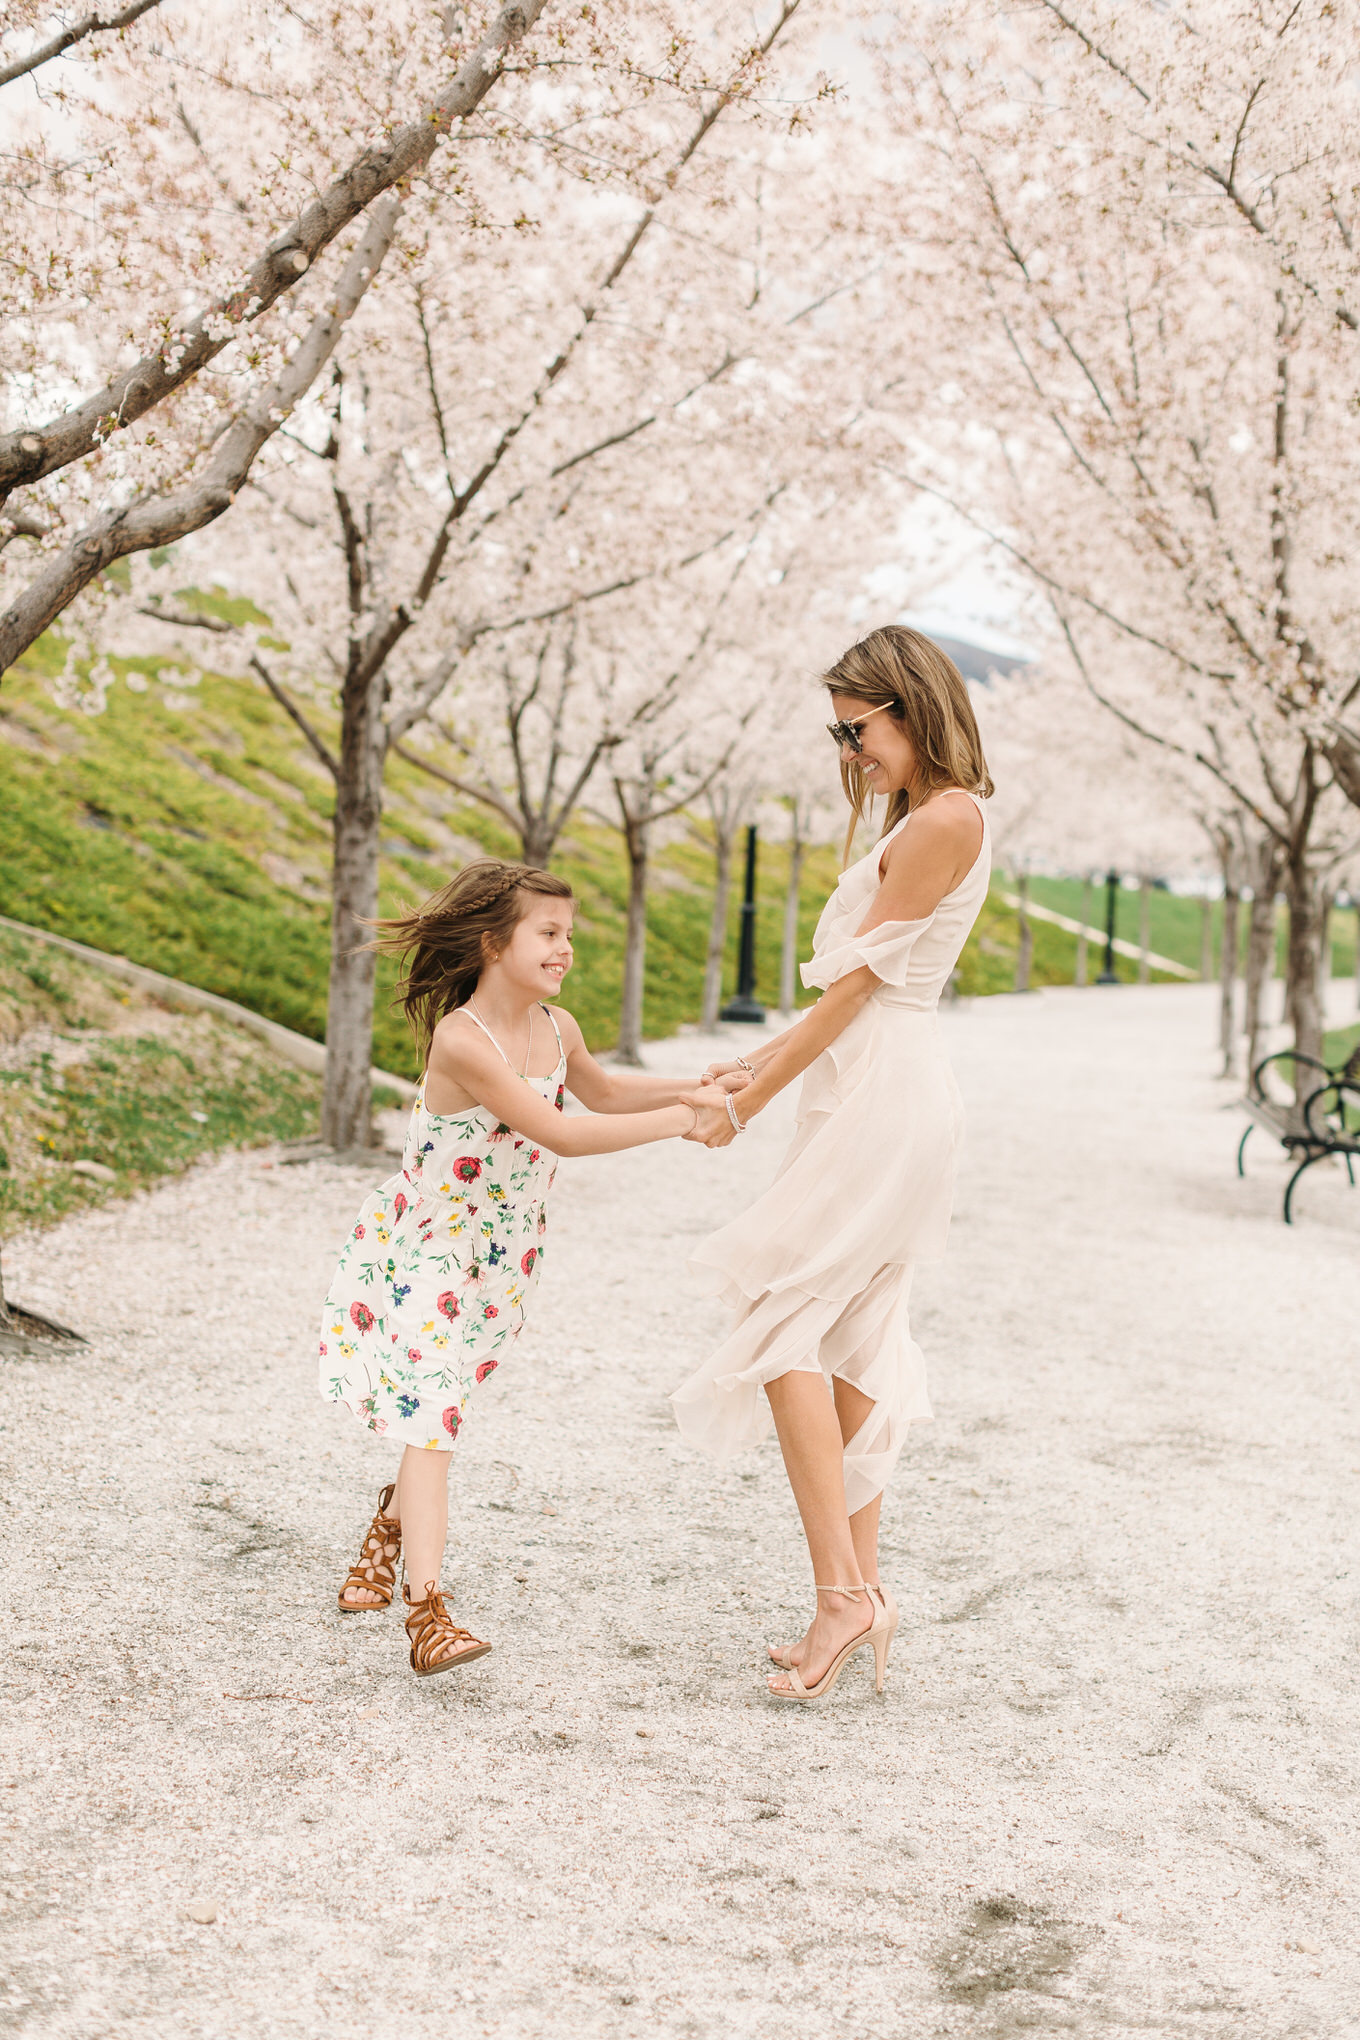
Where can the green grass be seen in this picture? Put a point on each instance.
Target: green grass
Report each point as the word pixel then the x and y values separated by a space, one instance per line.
pixel 1340 1043
pixel 91 1074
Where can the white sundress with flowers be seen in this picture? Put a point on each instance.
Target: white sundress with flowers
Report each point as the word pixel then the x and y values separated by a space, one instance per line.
pixel 431 1286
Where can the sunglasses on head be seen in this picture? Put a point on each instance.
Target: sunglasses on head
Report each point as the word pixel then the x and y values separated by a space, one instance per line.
pixel 848 732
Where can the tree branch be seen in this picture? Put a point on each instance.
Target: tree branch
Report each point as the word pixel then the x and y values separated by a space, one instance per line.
pixel 485 794
pixel 160 520
pixel 1166 743
pixel 34 451
pixel 290 707
pixel 89 24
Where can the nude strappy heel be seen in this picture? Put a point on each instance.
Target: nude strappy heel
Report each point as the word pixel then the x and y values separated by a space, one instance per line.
pixel 878 1637
pixel 376 1566
pixel 781 1654
pixel 437 1643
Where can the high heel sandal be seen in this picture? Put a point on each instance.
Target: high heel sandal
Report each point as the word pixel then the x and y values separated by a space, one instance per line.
pixel 437 1643
pixel 375 1570
pixel 782 1654
pixel 878 1637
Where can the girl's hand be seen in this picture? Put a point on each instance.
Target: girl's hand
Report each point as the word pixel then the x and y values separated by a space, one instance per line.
pixel 712 1127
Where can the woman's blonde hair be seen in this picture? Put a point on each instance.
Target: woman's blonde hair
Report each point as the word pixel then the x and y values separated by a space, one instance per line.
pixel 449 941
pixel 898 669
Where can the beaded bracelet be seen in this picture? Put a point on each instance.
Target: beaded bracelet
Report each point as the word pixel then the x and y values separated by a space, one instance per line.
pixel 732 1114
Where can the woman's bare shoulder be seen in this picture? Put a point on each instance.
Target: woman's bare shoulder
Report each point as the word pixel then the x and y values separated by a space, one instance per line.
pixel 942 825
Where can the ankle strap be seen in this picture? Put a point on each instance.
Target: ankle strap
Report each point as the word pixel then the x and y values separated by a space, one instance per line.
pixel 860 1589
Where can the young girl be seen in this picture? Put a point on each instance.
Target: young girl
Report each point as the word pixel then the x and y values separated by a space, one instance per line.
pixel 432 1285
pixel 820 1267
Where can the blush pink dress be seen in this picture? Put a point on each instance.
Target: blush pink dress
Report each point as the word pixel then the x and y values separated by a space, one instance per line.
pixel 819 1268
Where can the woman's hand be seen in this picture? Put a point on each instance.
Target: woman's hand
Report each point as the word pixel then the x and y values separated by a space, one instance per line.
pixel 729 1076
pixel 712 1127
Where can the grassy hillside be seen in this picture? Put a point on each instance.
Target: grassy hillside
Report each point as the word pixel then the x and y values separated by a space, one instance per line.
pixel 103 1090
pixel 188 826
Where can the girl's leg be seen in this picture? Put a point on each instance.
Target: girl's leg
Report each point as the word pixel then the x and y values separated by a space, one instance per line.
pixel 811 1442
pixel 379 1550
pixel 422 1500
pixel 852 1409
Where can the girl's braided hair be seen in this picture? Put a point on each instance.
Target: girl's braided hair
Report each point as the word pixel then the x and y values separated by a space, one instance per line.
pixel 449 941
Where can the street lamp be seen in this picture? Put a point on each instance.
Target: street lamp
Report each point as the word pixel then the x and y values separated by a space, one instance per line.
pixel 1107 976
pixel 745 1006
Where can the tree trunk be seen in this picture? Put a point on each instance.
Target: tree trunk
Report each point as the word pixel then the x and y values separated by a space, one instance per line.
pixel 635 942
pixel 346 1105
pixel 1144 930
pixel 537 840
pixel 724 837
pixel 1227 976
pixel 1307 919
pixel 1260 944
pixel 1326 904
pixel 788 953
pixel 1024 955
pixel 1081 968
pixel 1206 939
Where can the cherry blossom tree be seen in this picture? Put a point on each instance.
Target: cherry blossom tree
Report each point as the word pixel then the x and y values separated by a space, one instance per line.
pixel 260 132
pixel 1144 366
pixel 426 549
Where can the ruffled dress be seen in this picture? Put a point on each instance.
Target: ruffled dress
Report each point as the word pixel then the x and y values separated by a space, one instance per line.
pixel 432 1283
pixel 819 1268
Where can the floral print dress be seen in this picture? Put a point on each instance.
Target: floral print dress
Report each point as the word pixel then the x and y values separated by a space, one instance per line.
pixel 432 1283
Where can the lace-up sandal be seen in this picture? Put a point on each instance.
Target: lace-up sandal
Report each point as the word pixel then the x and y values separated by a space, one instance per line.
pixel 437 1643
pixel 878 1637
pixel 375 1571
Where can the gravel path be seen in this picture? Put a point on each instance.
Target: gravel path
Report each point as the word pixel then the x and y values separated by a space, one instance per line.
pixel 1111 1787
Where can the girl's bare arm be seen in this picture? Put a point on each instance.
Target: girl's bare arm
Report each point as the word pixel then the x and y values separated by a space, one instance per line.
pixel 473 1066
pixel 611 1091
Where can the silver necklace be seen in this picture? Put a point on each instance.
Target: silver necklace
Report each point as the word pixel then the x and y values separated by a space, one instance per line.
pixel 528 1053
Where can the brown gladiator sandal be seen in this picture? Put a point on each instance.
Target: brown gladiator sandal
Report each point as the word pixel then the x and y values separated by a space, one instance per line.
pixel 437 1643
pixel 376 1568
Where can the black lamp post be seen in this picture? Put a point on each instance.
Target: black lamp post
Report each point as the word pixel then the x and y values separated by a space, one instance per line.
pixel 1107 976
pixel 745 1005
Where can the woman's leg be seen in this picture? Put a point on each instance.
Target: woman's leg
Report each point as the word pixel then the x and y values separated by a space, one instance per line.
pixel 853 1409
pixel 422 1502
pixel 811 1442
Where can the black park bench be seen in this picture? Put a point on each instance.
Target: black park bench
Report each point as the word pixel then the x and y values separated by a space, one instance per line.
pixel 1320 1116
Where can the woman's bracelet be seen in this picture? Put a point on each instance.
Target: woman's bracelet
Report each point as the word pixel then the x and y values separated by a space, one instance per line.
pixel 732 1113
pixel 742 1064
pixel 694 1119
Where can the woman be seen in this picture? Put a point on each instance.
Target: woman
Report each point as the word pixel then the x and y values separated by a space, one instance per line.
pixel 820 1267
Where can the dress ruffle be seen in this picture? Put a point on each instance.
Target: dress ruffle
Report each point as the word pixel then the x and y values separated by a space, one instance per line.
pixel 866 1342
pixel 886 949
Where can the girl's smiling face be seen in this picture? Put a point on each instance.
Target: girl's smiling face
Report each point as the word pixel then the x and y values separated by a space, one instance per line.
pixel 538 954
pixel 887 758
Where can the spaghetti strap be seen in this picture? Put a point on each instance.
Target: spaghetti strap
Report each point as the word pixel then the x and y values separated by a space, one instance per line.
pixel 490 1037
pixel 561 1052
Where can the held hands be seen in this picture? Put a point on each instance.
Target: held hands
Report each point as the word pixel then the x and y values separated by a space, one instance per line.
pixel 712 1127
pixel 728 1076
